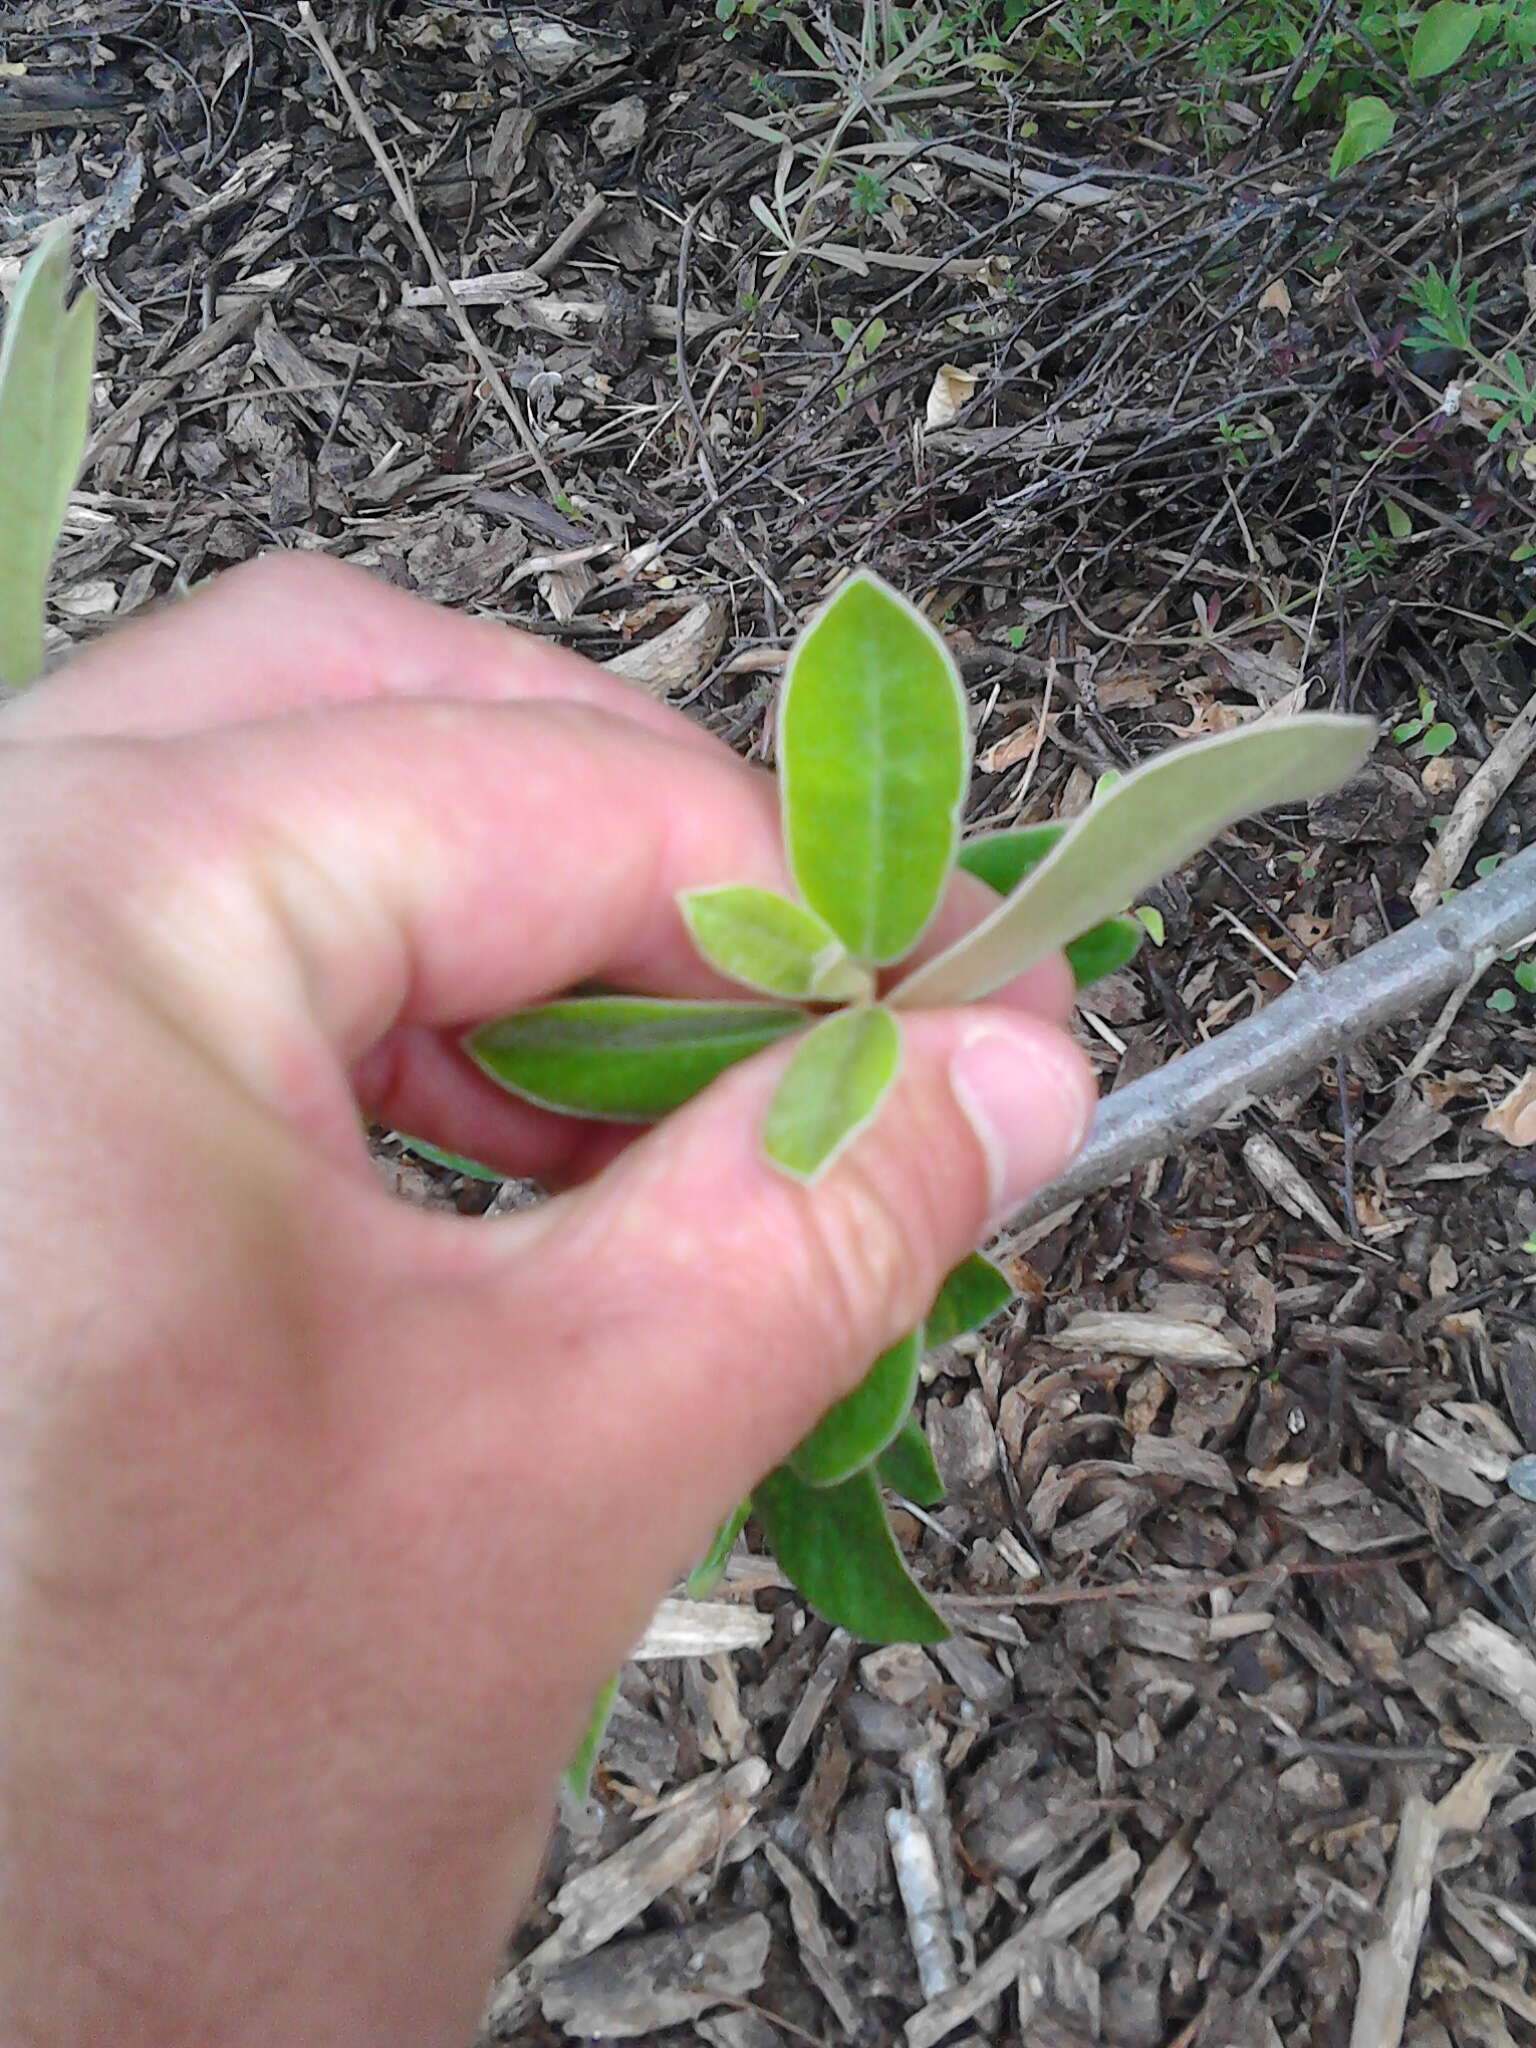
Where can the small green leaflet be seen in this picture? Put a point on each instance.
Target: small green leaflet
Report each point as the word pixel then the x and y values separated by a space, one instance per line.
pixel 1003 859
pixel 972 1294
pixel 906 1465
pixel 1443 37
pixel 1104 949
pixel 707 1573
pixel 874 755
pixel 1368 126
pixel 630 1059
pixel 831 1088
pixel 455 1162
pixel 769 943
pixel 1147 825
pixel 835 1545
pixel 46 353
pixel 854 1432
pixel 578 1772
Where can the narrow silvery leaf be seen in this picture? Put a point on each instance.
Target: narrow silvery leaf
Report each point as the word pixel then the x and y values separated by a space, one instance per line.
pixel 972 1293
pixel 831 1088
pixel 873 754
pixel 767 942
pixel 1104 949
pixel 578 1772
pixel 630 1059
pixel 854 1432
pixel 1136 832
pixel 46 353
pixel 835 1545
pixel 1003 859
pixel 906 1466
pixel 707 1573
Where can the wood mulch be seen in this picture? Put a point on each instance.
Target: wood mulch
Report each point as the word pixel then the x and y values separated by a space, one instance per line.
pixel 1235 1740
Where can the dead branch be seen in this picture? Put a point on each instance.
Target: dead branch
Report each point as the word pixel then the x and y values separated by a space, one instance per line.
pixel 1299 1030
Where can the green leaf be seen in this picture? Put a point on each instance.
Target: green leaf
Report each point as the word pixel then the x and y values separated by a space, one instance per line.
pixel 1003 859
pixel 1525 974
pixel 1368 125
pixel 772 944
pixel 1150 918
pixel 707 1573
pixel 578 1772
pixel 854 1432
pixel 971 1295
pixel 874 752
pixel 627 1058
pixel 1502 1000
pixel 46 352
pixel 1104 949
pixel 454 1161
pixel 831 1089
pixel 1148 824
pixel 1399 520
pixel 835 1545
pixel 906 1464
pixel 1438 740
pixel 1442 38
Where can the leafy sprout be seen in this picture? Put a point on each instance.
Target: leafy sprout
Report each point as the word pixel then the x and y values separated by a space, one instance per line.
pixel 874 760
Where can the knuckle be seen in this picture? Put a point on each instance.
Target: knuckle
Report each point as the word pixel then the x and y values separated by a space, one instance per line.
pixel 868 1254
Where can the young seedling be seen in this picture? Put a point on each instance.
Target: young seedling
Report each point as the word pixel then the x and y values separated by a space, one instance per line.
pixel 46 352
pixel 874 762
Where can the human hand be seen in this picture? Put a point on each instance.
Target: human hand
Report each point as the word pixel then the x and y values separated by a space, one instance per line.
pixel 322 1519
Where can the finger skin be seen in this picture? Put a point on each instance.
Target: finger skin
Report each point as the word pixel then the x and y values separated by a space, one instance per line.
pixel 320 1518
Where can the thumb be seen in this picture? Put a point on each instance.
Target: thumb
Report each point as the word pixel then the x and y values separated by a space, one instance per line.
pixel 720 1307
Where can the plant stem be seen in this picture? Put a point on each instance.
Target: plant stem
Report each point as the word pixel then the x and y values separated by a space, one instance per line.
pixel 1310 1023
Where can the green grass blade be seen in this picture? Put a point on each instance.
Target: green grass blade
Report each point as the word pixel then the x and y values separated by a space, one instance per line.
pixel 766 942
pixel 906 1465
pixel 835 1545
pixel 707 1573
pixel 873 753
pixel 578 1772
pixel 628 1059
pixel 854 1432
pixel 46 353
pixel 831 1089
pixel 455 1162
pixel 1133 834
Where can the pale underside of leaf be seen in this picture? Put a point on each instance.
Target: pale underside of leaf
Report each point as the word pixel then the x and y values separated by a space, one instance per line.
pixel 46 353
pixel 830 1089
pixel 626 1059
pixel 873 756
pixel 1145 826
pixel 767 942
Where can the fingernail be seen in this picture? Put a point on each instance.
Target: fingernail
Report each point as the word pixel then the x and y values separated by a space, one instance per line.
pixel 1029 1100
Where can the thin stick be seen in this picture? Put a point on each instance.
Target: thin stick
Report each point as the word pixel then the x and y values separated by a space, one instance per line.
pixel 1299 1030
pixel 430 257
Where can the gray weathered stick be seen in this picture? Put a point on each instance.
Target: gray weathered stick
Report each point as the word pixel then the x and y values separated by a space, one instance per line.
pixel 1299 1030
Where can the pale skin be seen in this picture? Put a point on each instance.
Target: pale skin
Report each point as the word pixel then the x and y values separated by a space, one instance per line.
pixel 321 1518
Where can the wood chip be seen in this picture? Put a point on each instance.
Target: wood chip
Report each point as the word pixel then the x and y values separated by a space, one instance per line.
pixel 701 1628
pixel 1069 1911
pixel 1135 1335
pixel 1491 1658
pixel 657 1980
pixel 595 1904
